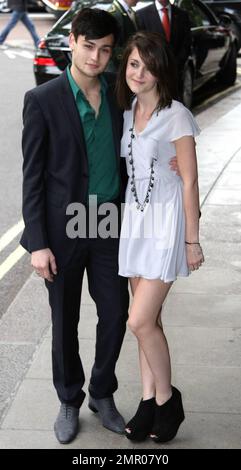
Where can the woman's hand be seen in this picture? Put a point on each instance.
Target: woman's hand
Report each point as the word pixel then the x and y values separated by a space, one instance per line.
pixel 174 166
pixel 195 256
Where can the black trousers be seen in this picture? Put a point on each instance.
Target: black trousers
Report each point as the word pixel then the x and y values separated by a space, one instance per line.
pixel 110 293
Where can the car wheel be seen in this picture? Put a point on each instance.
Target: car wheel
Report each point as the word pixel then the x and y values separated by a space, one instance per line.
pixel 187 87
pixel 227 75
pixel 237 32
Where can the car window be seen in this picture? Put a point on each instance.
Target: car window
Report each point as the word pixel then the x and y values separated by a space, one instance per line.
pixel 197 16
pixel 202 17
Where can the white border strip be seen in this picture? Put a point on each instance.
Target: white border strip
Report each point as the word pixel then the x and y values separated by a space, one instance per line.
pixel 9 236
pixel 11 260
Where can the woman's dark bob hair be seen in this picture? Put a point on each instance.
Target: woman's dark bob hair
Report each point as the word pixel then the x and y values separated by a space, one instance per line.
pixel 159 60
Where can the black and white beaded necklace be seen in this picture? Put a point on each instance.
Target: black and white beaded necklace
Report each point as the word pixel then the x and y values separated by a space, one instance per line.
pixel 139 205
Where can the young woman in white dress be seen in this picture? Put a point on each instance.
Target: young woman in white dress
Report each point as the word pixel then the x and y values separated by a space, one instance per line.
pixel 160 229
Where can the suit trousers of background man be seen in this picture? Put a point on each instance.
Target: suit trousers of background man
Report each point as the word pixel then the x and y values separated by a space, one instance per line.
pixel 110 293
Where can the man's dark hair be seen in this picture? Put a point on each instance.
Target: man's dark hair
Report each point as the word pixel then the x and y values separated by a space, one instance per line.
pixel 159 60
pixel 94 23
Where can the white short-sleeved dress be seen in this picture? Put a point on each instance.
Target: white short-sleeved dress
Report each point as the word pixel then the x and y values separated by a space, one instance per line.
pixel 152 241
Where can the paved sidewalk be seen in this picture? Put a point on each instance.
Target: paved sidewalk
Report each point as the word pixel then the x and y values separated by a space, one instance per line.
pixel 201 318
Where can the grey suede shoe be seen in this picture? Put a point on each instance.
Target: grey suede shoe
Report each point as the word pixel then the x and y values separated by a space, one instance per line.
pixel 110 416
pixel 66 425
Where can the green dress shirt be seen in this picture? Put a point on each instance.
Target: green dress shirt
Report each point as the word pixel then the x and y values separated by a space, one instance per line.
pixel 104 181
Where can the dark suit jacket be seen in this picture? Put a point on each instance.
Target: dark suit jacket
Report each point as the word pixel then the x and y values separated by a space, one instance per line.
pixel 180 41
pixel 127 27
pixel 55 167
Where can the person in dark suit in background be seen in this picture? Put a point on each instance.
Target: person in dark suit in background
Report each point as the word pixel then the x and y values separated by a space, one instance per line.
pixel 19 13
pixel 127 19
pixel 174 24
pixel 71 148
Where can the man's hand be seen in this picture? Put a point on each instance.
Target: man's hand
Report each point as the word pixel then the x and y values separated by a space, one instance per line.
pixel 43 261
pixel 174 166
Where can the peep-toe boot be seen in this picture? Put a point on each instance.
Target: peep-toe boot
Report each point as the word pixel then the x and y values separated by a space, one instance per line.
pixel 141 424
pixel 168 418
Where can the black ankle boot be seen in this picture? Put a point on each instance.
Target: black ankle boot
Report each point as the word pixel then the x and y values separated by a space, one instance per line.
pixel 141 424
pixel 168 418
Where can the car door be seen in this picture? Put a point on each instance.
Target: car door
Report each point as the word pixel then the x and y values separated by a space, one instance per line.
pixel 210 41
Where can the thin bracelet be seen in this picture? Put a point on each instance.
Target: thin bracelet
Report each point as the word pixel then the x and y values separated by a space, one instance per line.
pixel 193 243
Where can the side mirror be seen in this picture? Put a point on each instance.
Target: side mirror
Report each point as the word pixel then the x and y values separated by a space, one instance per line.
pixel 225 20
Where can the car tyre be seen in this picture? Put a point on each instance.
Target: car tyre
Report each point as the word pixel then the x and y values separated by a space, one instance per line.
pixel 227 75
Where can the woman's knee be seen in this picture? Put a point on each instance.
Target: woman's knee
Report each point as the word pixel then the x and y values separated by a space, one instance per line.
pixel 138 327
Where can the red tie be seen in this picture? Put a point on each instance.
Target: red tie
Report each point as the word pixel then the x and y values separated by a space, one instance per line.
pixel 166 23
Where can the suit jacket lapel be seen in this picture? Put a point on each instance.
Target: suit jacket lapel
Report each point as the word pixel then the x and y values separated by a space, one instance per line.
pixel 114 120
pixel 126 19
pixel 174 24
pixel 70 108
pixel 67 98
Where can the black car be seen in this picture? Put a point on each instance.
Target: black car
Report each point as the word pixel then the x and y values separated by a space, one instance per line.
pixel 230 8
pixel 214 48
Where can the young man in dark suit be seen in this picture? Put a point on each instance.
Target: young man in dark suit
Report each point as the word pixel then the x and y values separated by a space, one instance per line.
pixel 71 148
pixel 173 23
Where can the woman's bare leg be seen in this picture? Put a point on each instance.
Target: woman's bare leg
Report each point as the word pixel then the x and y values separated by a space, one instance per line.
pixel 149 296
pixel 147 378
